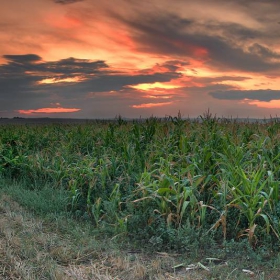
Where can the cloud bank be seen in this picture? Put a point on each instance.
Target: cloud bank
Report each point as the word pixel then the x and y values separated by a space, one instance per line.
pixel 157 57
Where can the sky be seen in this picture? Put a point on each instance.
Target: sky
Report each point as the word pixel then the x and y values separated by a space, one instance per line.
pixel 101 59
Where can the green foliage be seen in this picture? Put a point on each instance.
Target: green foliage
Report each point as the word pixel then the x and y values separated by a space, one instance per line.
pixel 157 179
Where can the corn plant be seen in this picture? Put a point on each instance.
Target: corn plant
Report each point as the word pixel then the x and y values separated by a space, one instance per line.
pixel 251 196
pixel 175 193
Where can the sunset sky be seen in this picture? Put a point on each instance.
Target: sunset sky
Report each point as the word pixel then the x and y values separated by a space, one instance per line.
pixel 100 59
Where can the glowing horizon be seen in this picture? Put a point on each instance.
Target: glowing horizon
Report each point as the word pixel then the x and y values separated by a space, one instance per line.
pixel 48 110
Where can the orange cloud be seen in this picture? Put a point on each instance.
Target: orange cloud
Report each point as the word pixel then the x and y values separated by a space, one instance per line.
pixel 158 96
pixel 150 105
pixel 273 104
pixel 48 111
pixel 156 85
pixel 56 80
pixel 63 21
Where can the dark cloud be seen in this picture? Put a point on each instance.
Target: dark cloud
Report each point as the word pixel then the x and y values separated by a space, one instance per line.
pixel 65 67
pixel 224 56
pixel 22 59
pixel 193 90
pixel 214 80
pixel 20 80
pixel 117 82
pixel 261 95
pixel 73 66
pixel 220 45
pixel 167 66
pixel 174 65
pixel 159 33
pixel 64 2
pixel 229 31
pixel 263 52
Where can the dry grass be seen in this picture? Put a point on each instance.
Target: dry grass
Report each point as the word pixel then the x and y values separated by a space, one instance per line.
pixel 32 248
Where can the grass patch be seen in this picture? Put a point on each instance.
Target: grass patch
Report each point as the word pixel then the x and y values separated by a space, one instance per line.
pixel 42 201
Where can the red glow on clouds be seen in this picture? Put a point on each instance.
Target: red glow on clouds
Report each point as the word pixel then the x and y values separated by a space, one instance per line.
pixel 199 51
pixel 48 111
pixel 119 36
pixel 151 105
pixel 193 49
pixel 63 21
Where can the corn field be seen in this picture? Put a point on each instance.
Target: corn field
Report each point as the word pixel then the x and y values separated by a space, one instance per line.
pixel 157 179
